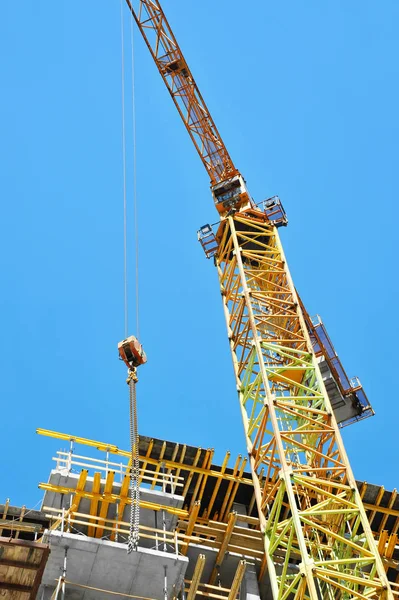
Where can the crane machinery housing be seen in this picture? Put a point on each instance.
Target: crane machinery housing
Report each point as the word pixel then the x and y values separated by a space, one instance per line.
pixel 297 512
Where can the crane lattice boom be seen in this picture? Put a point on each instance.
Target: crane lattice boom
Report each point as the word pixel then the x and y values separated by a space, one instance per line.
pixel 318 542
pixel 178 78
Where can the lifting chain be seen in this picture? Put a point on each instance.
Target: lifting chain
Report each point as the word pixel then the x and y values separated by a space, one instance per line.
pixel 135 465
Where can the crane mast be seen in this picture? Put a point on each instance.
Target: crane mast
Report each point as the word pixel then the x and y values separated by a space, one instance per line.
pixel 317 540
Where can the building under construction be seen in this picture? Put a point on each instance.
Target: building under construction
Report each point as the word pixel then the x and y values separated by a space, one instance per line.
pixel 161 520
pixel 199 530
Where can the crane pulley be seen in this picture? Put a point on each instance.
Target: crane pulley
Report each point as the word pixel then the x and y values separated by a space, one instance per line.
pixel 132 353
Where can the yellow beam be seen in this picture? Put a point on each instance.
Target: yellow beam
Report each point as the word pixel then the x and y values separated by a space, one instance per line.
pixel 169 464
pixel 173 459
pixel 84 441
pixel 235 488
pixel 390 505
pixel 377 502
pixel 94 502
pixel 381 509
pixel 191 523
pixel 21 516
pixel 80 486
pixel 109 483
pixel 229 488
pixel 199 567
pixel 59 489
pixel 181 460
pixel 392 542
pixel 223 548
pixel 206 463
pixel 217 485
pixel 238 577
pixel 382 541
pixel 192 471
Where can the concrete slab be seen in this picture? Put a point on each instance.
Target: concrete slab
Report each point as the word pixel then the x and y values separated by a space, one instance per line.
pixel 106 565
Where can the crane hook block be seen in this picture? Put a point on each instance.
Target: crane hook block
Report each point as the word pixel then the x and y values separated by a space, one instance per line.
pixel 131 352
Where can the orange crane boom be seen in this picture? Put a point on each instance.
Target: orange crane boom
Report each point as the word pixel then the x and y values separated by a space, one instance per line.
pixel 180 82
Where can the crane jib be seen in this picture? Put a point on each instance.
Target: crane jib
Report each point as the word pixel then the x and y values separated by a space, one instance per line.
pixel 178 78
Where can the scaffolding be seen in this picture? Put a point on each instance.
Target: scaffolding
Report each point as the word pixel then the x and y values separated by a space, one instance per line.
pixel 199 533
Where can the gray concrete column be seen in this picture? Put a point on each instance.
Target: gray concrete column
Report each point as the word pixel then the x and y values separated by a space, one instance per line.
pixel 249 586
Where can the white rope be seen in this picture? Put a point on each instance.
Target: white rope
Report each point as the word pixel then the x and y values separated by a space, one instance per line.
pixel 134 438
pixel 125 280
pixel 135 208
pixel 132 378
pixel 136 229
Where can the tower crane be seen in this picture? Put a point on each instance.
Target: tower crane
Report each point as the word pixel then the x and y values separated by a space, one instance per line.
pixel 318 543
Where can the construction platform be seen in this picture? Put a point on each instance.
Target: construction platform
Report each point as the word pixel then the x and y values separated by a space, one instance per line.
pixel 199 533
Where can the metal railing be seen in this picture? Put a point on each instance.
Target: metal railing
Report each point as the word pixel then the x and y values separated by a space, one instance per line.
pixel 163 479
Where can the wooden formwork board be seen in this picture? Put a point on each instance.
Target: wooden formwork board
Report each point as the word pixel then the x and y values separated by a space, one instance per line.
pixel 21 568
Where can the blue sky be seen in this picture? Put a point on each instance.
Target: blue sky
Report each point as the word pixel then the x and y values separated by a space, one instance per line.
pixel 305 95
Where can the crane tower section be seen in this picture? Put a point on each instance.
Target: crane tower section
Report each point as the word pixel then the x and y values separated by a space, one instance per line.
pixel 310 510
pixel 317 539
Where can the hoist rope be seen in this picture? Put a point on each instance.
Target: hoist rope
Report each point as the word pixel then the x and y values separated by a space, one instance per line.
pixel 125 279
pixel 132 377
pixel 135 467
pixel 134 179
pixel 136 228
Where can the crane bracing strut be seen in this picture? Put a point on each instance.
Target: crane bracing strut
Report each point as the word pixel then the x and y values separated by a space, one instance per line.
pixel 317 540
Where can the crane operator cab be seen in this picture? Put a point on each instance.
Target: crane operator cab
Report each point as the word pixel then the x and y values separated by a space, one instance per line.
pixel 231 194
pixel 274 211
pixel 131 352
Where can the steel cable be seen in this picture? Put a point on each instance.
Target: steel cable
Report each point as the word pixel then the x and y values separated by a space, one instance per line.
pixel 135 207
pixel 132 377
pixel 135 467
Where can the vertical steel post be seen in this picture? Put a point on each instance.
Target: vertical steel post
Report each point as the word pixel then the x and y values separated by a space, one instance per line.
pixel 156 529
pixel 69 468
pixel 64 572
pixel 106 462
pixel 165 586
